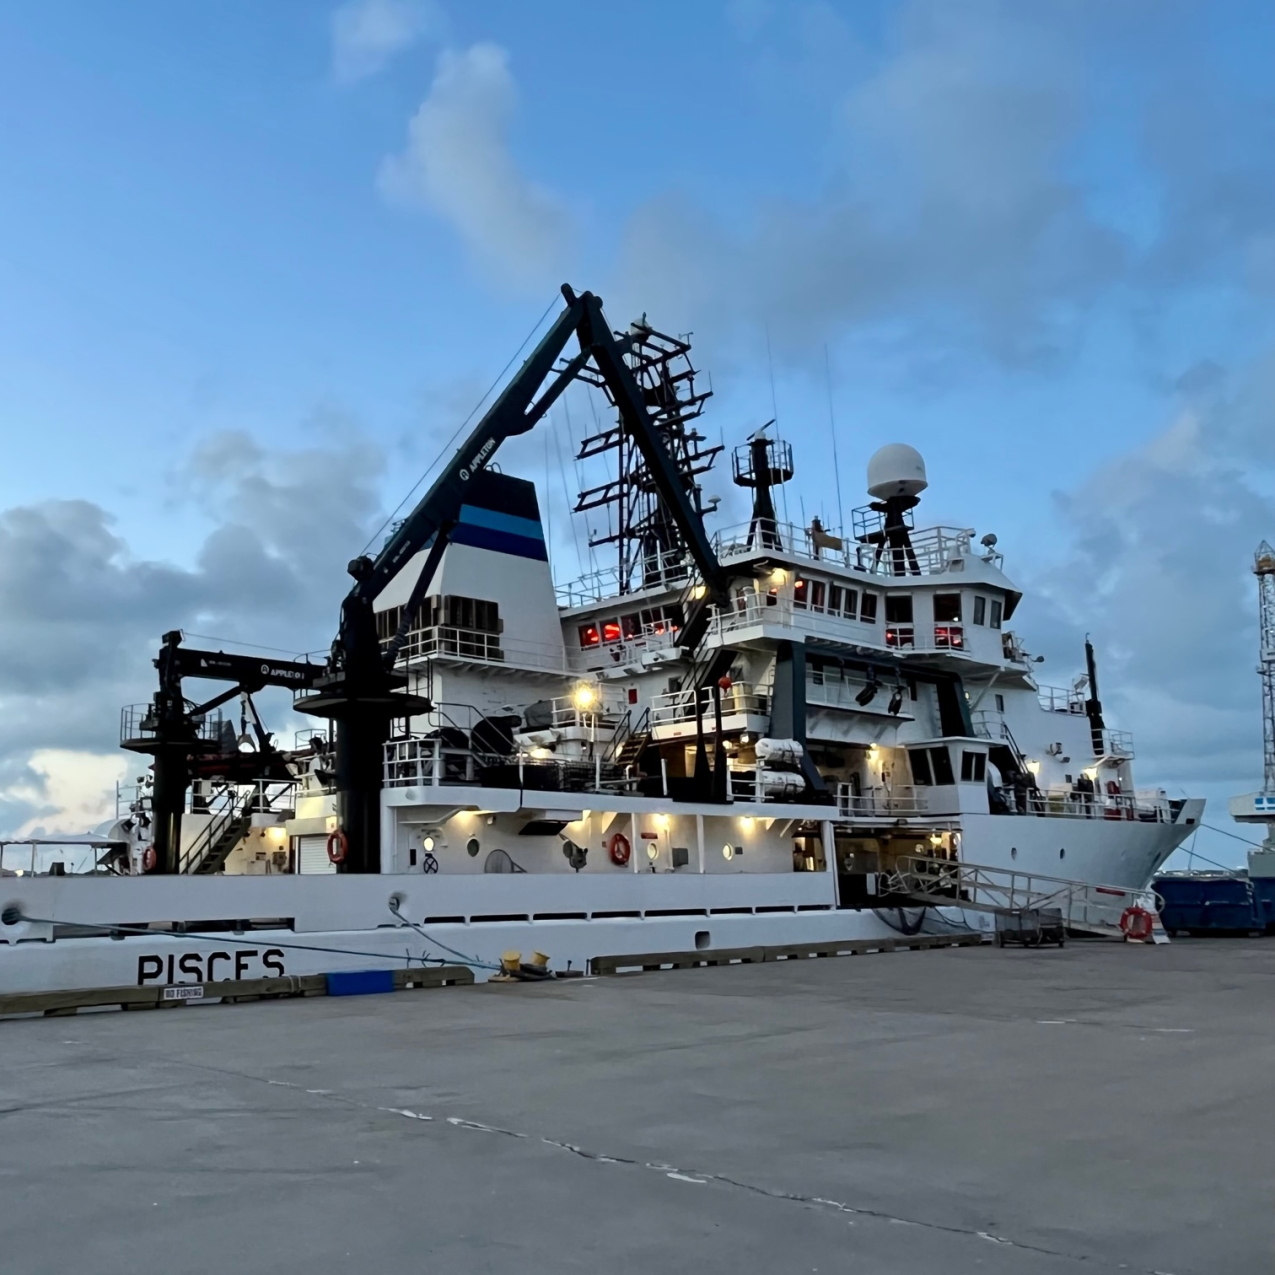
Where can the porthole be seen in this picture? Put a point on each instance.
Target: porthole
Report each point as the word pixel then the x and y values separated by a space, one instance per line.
pixel 728 852
pixel 1013 852
pixel 1062 854
pixel 472 847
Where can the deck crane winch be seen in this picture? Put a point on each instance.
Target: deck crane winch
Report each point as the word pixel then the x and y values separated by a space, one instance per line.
pixel 361 690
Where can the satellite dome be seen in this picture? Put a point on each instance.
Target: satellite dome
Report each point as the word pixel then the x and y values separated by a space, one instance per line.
pixel 896 470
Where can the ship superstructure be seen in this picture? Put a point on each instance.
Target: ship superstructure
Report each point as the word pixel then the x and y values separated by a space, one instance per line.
pixel 763 732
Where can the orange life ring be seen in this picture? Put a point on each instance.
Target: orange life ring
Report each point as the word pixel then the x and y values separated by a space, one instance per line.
pixel 338 844
pixel 149 859
pixel 619 849
pixel 1135 923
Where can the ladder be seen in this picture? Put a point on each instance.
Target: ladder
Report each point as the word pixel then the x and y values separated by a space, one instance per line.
pixel 1084 908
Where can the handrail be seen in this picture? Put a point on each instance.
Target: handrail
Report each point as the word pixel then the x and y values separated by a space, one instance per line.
pixel 1083 905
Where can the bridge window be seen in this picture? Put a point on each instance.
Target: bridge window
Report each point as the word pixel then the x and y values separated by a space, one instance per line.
pixel 610 630
pixel 942 763
pixel 973 768
pixel 947 608
pixel 898 608
pixel 589 636
pixel 800 593
pixel 630 627
pixel 997 608
pixel 920 761
pixel 980 610
pixel 387 622
pixel 867 608
pixel 818 592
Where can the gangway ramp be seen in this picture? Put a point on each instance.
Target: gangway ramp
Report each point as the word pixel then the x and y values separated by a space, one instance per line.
pixel 1085 908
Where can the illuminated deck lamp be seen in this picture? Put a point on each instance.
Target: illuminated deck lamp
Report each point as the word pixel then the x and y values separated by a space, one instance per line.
pixel 584 697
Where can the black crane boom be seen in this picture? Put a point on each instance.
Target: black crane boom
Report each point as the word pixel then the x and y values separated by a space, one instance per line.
pixel 362 693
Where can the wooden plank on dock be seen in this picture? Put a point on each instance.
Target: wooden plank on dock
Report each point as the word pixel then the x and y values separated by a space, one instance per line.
pixel 650 961
pixel 635 962
pixel 227 991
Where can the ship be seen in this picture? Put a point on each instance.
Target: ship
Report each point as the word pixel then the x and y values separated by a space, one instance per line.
pixel 720 737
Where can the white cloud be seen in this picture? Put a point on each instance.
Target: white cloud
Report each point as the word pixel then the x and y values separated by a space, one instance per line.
pixel 458 164
pixel 1157 566
pixel 366 34
pixel 83 616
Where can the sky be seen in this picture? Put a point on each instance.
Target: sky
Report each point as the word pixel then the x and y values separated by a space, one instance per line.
pixel 258 263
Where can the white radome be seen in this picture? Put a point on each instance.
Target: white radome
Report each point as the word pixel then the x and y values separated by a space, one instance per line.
pixel 896 470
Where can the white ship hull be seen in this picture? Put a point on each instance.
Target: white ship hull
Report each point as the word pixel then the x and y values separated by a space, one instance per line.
pixel 310 924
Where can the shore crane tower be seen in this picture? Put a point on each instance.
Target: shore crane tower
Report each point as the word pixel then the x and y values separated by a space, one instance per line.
pixel 1260 807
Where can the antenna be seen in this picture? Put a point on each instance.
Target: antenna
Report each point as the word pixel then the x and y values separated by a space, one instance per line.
pixel 832 429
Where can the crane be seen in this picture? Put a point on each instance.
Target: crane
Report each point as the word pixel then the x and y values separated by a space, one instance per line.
pixel 360 690
pixel 1260 807
pixel 174 731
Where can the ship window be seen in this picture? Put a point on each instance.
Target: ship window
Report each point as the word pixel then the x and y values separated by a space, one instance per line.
pixel 996 614
pixel 1000 702
pixel 973 768
pixel 942 763
pixel 387 622
pixel 898 608
pixel 834 599
pixel 920 767
pixel 630 627
pixel 980 610
pixel 868 608
pixel 947 608
pixel 589 635
pixel 851 605
pixel 799 593
pixel 659 620
pixel 818 591
pixel 610 630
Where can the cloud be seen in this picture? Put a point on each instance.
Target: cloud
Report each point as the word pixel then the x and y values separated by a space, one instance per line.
pixel 83 615
pixel 366 34
pixel 458 164
pixel 1158 563
pixel 968 205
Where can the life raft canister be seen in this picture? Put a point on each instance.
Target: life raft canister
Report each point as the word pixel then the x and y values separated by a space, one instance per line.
pixel 338 844
pixel 619 849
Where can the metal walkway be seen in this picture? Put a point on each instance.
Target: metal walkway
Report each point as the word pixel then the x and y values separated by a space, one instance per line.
pixel 1085 908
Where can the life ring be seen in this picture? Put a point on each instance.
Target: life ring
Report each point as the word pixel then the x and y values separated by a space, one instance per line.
pixel 619 849
pixel 149 859
pixel 1136 923
pixel 338 844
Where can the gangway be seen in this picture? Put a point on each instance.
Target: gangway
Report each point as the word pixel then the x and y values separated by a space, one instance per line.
pixel 1085 908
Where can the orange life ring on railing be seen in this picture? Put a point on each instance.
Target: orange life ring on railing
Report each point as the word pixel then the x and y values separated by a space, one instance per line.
pixel 338 844
pixel 149 859
pixel 619 849
pixel 1136 923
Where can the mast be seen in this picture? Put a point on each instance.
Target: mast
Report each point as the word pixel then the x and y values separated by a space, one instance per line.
pixel 1264 569
pixel 649 548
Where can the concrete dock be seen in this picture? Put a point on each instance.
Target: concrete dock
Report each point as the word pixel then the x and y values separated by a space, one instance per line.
pixel 1099 1108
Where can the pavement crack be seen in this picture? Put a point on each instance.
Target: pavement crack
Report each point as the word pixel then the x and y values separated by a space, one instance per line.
pixel 691 1175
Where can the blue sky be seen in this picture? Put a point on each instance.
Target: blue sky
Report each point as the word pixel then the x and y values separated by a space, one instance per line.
pixel 260 260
